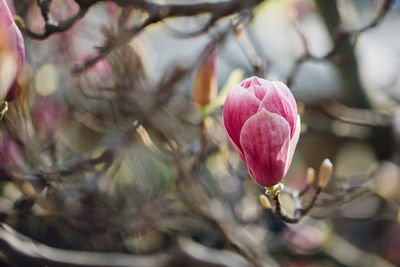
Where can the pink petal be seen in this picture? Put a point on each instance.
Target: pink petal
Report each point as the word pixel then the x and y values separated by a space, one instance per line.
pixel 258 90
pixel 10 4
pixel 287 93
pixel 265 142
pixel 250 82
pixel 6 18
pixel 256 86
pixel 280 100
pixel 292 144
pixel 10 30
pixel 239 106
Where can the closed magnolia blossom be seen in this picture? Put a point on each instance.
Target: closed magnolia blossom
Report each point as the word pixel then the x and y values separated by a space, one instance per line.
pixel 12 54
pixel 263 126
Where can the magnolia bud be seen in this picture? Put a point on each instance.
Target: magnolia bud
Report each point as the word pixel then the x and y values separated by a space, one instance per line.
pixel 310 175
pixel 19 22
pixel 205 84
pixel 265 202
pixel 325 172
pixel 262 124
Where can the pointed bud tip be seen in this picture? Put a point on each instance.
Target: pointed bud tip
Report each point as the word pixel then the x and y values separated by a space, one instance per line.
pixel 144 136
pixel 265 202
pixel 310 175
pixel 19 22
pixel 301 108
pixel 3 109
pixel 398 216
pixel 28 189
pixel 325 172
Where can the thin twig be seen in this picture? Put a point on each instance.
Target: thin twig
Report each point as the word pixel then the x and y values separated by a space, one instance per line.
pixel 340 37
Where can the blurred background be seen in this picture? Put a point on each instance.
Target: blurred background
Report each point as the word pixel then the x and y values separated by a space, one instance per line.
pixel 108 159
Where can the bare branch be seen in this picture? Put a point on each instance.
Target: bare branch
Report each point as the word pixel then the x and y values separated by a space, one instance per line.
pixel 340 36
pixel 23 251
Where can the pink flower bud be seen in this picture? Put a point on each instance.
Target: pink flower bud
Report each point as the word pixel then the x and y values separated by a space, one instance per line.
pixel 263 126
pixel 11 39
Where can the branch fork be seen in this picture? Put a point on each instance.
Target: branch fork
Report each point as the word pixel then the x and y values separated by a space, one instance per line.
pixel 271 199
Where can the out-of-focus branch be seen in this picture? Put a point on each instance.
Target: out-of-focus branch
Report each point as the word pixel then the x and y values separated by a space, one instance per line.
pixel 156 12
pixel 224 224
pixel 358 116
pixel 159 12
pixel 23 251
pixel 352 93
pixel 256 61
pixel 51 28
pixel 187 34
pixel 300 209
pixel 354 256
pixel 382 13
pixel 340 52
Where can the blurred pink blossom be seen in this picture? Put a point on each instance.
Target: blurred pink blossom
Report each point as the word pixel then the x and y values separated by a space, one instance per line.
pixel 10 153
pixel 48 115
pixel 11 40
